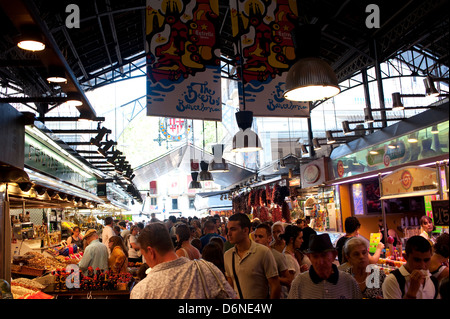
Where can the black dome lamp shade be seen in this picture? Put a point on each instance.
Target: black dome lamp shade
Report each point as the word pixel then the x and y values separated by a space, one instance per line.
pixel 205 175
pixel 194 183
pixel 310 78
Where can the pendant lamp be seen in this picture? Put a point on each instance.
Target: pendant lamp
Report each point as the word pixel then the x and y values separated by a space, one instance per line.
pixel 218 164
pixel 310 78
pixel 330 138
pixel 368 118
pixel 346 128
pixel 397 101
pixel 31 38
pixel 194 183
pixel 56 74
pixel 245 140
pixel 316 144
pixel 304 150
pixel 205 175
pixel 430 89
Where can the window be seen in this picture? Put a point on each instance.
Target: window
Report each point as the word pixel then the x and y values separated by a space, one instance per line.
pixel 153 201
pixel 191 203
pixel 174 203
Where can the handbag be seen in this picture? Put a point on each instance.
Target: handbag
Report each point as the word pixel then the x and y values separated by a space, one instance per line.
pixel 223 294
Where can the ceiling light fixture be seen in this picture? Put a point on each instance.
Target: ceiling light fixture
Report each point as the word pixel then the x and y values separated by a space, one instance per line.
pixel 412 138
pixel 346 128
pixel 245 140
pixel 392 146
pixel 31 38
pixel 304 150
pixel 397 101
pixel 101 133
pixel 205 175
pixel 330 138
pixel 74 99
pixel 368 118
pixel 316 144
pixel 194 183
pixel 218 164
pixel 103 150
pixel 310 78
pixel 430 88
pixel 56 74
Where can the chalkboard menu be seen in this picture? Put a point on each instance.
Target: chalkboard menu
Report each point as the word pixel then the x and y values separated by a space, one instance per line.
pixel 440 212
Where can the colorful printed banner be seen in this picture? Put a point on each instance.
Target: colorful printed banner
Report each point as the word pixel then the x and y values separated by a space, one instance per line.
pixel 262 30
pixel 183 59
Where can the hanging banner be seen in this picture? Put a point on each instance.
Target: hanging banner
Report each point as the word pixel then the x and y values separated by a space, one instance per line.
pixel 262 31
pixel 183 59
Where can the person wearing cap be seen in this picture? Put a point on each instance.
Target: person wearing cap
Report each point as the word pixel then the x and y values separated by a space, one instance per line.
pixel 95 253
pixel 323 280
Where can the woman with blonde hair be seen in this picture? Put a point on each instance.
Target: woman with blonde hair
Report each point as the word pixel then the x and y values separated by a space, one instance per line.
pixel 118 259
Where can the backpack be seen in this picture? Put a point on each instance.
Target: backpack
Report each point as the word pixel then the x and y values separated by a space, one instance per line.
pixel 401 282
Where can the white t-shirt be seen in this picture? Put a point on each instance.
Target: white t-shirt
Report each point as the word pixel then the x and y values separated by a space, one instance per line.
pixel 391 288
pixel 107 233
pixel 292 264
pixel 132 253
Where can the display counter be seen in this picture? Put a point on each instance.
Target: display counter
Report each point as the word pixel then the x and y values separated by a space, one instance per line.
pixel 91 294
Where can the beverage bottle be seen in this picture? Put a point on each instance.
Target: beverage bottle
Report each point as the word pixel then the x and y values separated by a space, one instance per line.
pixel 57 280
pixel 62 280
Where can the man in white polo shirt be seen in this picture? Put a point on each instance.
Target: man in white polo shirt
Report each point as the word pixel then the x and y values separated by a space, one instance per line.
pixel 323 280
pixel 412 280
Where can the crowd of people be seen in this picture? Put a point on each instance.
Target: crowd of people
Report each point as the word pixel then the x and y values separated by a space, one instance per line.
pixel 217 257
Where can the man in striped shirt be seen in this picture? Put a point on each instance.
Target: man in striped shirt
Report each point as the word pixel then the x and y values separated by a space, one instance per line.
pixel 323 280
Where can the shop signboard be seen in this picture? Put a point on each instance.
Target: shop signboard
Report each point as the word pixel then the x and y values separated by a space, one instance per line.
pixel 262 33
pixel 412 180
pixel 42 158
pixel 440 212
pixel 183 59
pixel 314 173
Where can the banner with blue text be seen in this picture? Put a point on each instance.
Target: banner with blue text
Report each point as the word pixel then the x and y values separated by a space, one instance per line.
pixel 183 59
pixel 262 32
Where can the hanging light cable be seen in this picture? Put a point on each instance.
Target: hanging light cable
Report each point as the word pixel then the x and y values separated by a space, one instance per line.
pixel 245 140
pixel 310 78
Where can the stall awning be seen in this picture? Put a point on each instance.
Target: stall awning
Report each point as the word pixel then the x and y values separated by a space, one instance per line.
pixel 42 180
pixel 180 158
pixel 212 201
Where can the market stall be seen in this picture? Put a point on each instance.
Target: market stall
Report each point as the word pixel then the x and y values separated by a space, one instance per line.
pixel 411 187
